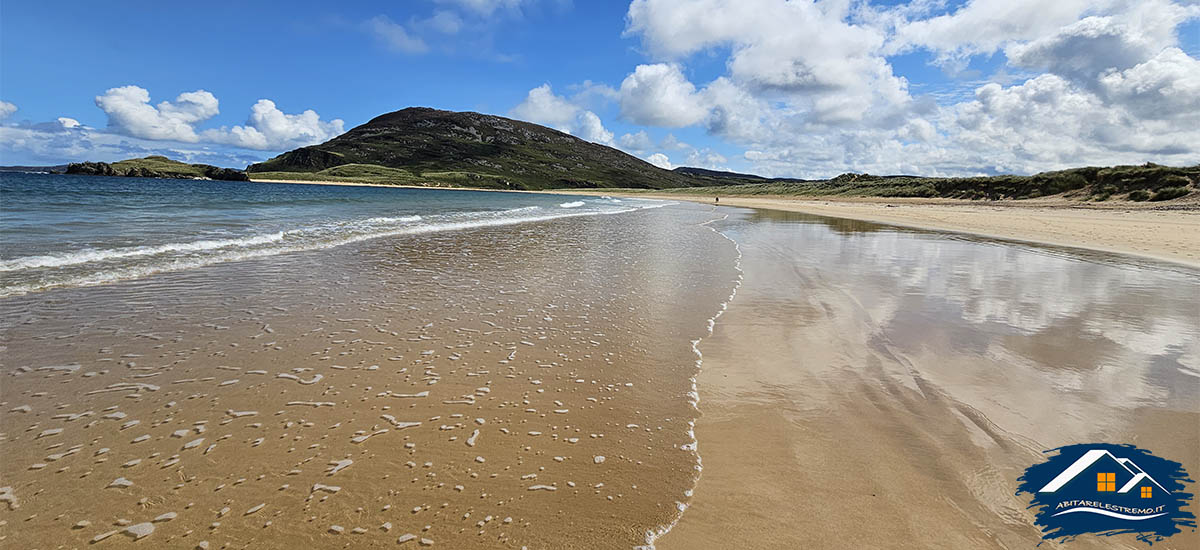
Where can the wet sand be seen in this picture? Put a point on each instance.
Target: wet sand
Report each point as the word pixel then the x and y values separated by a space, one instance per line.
pixel 875 387
pixel 1160 231
pixel 1126 228
pixel 503 387
pixel 531 386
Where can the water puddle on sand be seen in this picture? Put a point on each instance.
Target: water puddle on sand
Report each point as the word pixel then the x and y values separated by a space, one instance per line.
pixel 524 385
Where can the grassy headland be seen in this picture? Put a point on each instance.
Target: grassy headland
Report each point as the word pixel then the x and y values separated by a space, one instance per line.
pixel 421 146
pixel 156 167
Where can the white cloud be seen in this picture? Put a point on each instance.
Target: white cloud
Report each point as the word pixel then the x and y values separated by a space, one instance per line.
pixel 7 109
pixel 543 106
pixel 1164 87
pixel 68 123
pixel 659 95
pixel 130 112
pixel 395 36
pixel 592 129
pixel 639 141
pixel 271 129
pixel 61 141
pixel 808 90
pixel 984 26
pixel 804 54
pixel 1081 51
pixel 660 160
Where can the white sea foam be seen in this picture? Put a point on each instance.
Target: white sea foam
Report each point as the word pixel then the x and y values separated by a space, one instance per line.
pixel 143 261
pixel 694 395
pixel 93 255
pixel 572 204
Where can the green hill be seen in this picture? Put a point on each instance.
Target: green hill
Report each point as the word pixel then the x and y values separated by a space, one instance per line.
pixel 422 146
pixel 156 167
pixel 429 147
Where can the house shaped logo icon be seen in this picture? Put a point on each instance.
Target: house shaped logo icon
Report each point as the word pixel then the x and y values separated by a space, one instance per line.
pixel 1108 490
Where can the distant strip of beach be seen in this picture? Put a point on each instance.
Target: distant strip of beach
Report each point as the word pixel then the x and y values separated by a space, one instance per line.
pixel 1140 229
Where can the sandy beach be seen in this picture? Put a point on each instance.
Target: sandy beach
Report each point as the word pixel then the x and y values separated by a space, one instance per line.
pixel 875 388
pixel 1141 229
pixel 536 385
pixel 424 389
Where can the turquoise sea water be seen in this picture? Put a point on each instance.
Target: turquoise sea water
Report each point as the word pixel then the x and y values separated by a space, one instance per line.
pixel 65 231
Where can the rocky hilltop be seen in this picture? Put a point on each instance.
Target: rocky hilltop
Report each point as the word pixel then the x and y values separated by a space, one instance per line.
pixel 156 167
pixel 422 146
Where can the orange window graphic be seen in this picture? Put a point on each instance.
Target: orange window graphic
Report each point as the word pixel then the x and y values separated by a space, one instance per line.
pixel 1147 492
pixel 1106 482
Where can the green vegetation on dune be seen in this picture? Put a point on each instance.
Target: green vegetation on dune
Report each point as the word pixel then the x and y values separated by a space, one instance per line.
pixel 1138 183
pixel 156 167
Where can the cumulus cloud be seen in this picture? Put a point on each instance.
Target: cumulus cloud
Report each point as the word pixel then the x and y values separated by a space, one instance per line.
pixel 809 91
pixel 395 36
pixel 807 55
pixel 543 106
pixel 639 141
pixel 660 160
pixel 659 95
pixel 6 109
pixel 268 128
pixel 130 112
pixel 65 140
pixel 1081 51
pixel 1164 87
pixel 984 26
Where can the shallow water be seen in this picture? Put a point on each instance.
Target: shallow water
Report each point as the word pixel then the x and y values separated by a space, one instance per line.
pixel 69 231
pixel 888 386
pixel 542 346
pixel 558 355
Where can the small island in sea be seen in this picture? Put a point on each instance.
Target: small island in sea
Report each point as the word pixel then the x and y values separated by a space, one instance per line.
pixel 156 166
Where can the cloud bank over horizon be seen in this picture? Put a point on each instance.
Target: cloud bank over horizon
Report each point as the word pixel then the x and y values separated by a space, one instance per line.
pixel 809 88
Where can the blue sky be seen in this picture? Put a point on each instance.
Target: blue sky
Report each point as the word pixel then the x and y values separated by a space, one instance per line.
pixel 889 87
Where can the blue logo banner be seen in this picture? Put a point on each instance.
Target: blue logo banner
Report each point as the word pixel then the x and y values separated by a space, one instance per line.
pixel 1108 490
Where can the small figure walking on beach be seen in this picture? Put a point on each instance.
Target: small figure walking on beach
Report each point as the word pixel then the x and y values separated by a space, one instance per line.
pixel 717 199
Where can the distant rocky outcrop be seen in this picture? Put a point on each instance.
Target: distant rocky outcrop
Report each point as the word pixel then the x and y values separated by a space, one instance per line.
pixel 156 167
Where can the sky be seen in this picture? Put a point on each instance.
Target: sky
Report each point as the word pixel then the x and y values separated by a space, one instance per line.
pixel 780 88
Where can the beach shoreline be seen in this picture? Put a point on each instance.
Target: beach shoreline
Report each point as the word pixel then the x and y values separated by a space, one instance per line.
pixel 828 413
pixel 1139 229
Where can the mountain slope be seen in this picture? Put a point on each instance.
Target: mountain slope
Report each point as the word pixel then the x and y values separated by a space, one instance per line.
pixel 425 146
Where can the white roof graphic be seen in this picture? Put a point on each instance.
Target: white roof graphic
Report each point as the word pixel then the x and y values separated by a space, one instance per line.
pixel 1084 462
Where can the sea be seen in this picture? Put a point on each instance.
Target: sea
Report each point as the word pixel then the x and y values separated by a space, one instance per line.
pixel 69 231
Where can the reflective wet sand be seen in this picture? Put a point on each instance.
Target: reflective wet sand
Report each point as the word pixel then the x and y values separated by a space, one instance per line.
pixel 873 387
pixel 518 386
